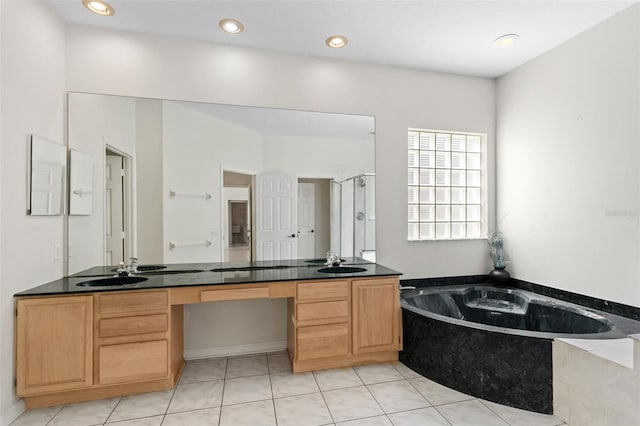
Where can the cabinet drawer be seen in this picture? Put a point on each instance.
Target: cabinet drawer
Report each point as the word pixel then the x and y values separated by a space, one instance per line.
pixel 323 341
pixel 132 362
pixel 322 310
pixel 132 302
pixel 323 290
pixel 234 294
pixel 126 326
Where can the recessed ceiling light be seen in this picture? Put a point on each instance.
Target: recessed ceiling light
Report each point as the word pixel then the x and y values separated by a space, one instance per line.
pixel 232 26
pixel 506 40
pixel 99 7
pixel 336 41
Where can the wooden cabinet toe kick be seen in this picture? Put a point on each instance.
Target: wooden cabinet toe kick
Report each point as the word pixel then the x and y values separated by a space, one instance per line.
pixel 301 366
pixel 93 393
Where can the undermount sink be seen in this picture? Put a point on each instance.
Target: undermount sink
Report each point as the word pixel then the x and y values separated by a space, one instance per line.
pixel 341 270
pixel 250 268
pixel 104 282
pixel 146 268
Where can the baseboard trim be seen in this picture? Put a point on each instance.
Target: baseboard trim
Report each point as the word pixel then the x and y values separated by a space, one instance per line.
pixel 12 413
pixel 219 351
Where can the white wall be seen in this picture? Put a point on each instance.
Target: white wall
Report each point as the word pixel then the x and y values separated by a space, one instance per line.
pixel 32 101
pixel 568 163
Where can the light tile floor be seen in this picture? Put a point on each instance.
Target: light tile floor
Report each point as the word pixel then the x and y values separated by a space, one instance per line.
pixel 261 390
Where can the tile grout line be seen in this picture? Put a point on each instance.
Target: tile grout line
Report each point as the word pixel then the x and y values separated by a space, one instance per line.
pixel 493 411
pixel 442 415
pixel 113 410
pixel 273 400
pixel 418 390
pixel 429 401
pixel 166 410
pixel 48 421
pixel 372 395
pixel 224 386
pixel 333 420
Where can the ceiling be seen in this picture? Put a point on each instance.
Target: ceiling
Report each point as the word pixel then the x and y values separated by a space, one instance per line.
pixel 445 36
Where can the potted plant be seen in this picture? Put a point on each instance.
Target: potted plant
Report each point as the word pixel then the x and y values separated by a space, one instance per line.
pixel 498 275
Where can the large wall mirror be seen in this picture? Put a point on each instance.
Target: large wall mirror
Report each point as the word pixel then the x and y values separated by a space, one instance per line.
pixel 181 181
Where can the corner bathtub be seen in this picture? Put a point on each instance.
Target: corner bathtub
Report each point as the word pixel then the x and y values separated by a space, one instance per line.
pixel 495 343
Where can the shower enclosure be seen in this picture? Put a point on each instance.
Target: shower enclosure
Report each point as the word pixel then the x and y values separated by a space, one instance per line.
pixel 353 217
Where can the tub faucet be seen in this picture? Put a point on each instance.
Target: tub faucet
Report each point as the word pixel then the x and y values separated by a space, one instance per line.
pixel 406 287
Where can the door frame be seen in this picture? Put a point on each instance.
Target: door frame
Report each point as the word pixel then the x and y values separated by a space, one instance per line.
pixel 314 186
pixel 251 207
pixel 128 197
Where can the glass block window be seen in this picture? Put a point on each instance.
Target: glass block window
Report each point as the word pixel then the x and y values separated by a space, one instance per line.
pixel 445 185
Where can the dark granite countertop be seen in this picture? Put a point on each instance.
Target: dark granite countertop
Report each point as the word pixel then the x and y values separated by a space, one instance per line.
pixel 284 270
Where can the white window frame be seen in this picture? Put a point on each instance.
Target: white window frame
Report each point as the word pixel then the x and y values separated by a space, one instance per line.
pixel 447 185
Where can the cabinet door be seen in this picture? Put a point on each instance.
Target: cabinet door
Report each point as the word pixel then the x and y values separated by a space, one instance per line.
pixel 375 309
pixel 54 344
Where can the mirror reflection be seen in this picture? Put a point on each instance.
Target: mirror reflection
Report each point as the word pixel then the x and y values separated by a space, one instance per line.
pixel 80 183
pixel 181 181
pixel 47 177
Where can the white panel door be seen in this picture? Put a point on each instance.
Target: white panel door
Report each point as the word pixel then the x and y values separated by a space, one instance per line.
pixel 306 220
pixel 276 217
pixel 113 210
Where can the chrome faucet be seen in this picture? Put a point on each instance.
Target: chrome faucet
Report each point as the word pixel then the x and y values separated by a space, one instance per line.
pixel 333 259
pixel 133 265
pixel 129 270
pixel 406 287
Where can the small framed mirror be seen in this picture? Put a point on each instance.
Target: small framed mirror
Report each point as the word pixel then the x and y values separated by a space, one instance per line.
pixel 80 183
pixel 47 177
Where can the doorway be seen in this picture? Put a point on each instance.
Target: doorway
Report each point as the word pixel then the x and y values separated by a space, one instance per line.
pixel 314 217
pixel 237 213
pixel 117 208
pixel 238 223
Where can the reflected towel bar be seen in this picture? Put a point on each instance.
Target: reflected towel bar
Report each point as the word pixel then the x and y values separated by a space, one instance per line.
pixel 173 245
pixel 174 194
pixel 80 192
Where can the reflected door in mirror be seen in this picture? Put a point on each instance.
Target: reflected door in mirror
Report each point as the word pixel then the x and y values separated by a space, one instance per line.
pixel 47 177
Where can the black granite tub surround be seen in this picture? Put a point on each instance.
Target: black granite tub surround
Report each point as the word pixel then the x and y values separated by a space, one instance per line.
pixel 506 369
pixel 493 342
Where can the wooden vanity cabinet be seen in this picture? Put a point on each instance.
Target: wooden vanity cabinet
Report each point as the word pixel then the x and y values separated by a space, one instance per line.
pixel 54 344
pixel 114 343
pixel 341 323
pixel 132 337
pixel 322 320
